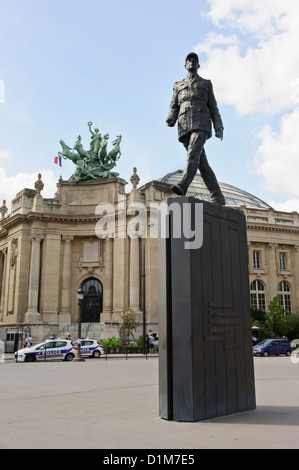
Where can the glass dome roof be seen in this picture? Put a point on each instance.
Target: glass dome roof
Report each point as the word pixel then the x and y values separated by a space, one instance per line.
pixel 233 196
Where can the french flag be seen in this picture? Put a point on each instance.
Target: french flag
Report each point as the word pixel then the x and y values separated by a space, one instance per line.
pixel 57 160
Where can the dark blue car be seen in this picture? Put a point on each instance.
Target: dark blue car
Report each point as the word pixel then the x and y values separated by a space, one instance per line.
pixel 272 347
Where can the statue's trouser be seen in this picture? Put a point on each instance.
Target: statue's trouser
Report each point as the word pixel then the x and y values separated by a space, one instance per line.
pixel 197 159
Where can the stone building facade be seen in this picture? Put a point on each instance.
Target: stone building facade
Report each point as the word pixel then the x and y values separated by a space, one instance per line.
pixel 273 245
pixel 102 238
pixel 49 248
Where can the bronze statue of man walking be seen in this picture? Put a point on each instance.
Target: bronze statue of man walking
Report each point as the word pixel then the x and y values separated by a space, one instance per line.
pixel 194 106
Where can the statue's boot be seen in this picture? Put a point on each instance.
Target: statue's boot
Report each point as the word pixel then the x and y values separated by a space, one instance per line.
pixel 210 180
pixel 214 188
pixel 179 190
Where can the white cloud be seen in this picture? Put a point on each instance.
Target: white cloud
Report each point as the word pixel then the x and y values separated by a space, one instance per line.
pixel 11 185
pixel 6 154
pixel 291 205
pixel 277 157
pixel 262 18
pixel 261 79
pixel 253 68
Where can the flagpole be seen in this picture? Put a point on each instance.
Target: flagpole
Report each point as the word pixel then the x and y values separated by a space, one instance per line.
pixel 58 161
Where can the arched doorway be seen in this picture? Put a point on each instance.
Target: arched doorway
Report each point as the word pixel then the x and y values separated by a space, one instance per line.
pixel 92 305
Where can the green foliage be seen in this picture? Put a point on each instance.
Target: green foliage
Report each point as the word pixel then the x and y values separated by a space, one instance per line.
pixel 274 323
pixel 276 318
pixel 140 342
pixel 114 346
pixel 293 322
pixel 111 342
pixel 257 315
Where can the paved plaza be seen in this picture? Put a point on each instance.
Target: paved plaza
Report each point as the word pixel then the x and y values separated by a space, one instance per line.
pixel 113 404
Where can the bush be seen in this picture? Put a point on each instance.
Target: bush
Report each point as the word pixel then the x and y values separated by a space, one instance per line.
pixel 274 323
pixel 114 346
pixel 110 343
pixel 293 326
pixel 123 349
pixel 140 342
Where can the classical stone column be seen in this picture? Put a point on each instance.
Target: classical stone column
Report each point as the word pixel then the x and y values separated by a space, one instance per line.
pixel 2 281
pixel 134 273
pixel 4 253
pixel 32 315
pixel 66 279
pixel 272 280
pixel 120 280
pixel 12 275
pixel 51 278
pixel 108 285
pixel 295 292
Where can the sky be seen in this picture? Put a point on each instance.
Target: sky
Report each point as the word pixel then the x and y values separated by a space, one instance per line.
pixel 64 63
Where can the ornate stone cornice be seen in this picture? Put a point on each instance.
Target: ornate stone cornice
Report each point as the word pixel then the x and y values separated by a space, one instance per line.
pixel 273 228
pixel 65 218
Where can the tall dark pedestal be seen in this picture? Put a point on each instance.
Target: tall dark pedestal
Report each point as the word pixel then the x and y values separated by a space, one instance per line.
pixel 205 347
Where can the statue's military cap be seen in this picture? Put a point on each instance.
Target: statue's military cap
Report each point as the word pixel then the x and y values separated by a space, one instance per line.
pixel 192 54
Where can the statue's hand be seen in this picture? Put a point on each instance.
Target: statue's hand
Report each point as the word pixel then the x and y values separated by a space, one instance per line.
pixel 219 133
pixel 170 122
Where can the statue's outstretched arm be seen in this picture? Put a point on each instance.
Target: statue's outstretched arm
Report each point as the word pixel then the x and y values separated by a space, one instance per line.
pixel 89 125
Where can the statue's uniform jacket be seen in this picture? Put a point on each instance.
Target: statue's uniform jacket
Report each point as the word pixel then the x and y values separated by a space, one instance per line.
pixel 194 105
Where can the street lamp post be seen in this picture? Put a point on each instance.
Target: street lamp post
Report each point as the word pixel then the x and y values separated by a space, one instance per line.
pixel 148 224
pixel 78 356
pixel 143 295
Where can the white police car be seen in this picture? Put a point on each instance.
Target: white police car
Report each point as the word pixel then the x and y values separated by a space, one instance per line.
pixel 90 348
pixel 47 350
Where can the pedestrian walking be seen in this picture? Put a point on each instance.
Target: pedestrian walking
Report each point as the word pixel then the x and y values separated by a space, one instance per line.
pixel 151 346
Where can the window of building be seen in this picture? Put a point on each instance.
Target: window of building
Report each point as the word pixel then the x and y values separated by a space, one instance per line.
pixel 282 261
pixel 284 293
pixel 257 296
pixel 256 259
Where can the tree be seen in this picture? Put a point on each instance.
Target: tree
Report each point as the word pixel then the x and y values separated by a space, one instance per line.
pixel 129 323
pixel 276 318
pixel 275 322
pixel 257 315
pixel 293 322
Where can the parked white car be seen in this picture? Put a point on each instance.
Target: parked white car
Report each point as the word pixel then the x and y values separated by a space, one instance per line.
pixel 90 348
pixel 47 350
